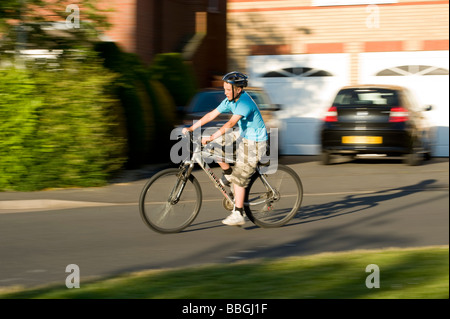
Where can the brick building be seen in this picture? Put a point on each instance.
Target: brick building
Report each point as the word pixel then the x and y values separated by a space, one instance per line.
pixel 335 43
pixel 197 28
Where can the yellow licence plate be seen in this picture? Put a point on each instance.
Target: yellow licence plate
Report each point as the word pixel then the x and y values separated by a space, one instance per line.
pixel 362 139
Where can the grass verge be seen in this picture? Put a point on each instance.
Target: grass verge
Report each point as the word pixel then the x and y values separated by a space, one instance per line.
pixel 416 273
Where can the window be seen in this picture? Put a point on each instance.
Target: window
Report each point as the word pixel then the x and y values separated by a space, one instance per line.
pixel 367 97
pixel 406 70
pixel 296 72
pixel 275 74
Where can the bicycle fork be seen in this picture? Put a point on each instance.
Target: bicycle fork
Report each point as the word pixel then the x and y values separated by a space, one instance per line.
pixel 183 176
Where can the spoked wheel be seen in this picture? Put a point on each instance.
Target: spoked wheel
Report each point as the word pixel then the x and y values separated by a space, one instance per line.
pixel 267 207
pixel 162 207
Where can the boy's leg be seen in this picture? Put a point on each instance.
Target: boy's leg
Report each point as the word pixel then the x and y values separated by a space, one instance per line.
pixel 226 152
pixel 242 172
pixel 239 194
pixel 236 217
pixel 226 174
pixel 249 154
pixel 224 166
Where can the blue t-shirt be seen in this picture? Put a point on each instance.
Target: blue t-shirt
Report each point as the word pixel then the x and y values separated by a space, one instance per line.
pixel 251 124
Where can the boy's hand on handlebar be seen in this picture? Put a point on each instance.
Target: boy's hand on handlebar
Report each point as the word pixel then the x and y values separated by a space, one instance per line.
pixel 206 140
pixel 185 130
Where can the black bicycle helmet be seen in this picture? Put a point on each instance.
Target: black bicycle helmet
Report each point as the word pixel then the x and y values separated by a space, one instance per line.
pixel 236 78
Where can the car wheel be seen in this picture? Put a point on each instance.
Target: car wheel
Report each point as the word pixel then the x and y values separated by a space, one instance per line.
pixel 325 158
pixel 414 158
pixel 427 155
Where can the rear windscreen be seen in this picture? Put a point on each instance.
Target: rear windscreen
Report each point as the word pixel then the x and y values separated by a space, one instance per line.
pixel 367 97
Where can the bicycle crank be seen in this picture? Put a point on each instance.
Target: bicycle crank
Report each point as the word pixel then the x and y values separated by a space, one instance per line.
pixel 227 204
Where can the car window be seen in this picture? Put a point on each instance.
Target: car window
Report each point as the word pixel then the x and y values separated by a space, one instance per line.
pixel 260 98
pixel 206 101
pixel 367 97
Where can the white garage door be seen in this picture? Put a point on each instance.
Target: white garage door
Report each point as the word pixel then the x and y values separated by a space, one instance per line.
pixel 426 73
pixel 305 86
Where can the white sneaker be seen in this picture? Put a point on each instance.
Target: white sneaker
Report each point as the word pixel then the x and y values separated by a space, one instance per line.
pixel 234 219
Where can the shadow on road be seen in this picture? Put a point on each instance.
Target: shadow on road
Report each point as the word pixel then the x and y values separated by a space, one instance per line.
pixel 356 203
pixel 346 235
pixel 349 205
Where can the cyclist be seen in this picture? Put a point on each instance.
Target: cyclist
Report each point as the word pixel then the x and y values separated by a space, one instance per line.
pixel 251 142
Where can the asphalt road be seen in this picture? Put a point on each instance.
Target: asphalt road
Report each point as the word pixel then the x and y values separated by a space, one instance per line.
pixel 351 205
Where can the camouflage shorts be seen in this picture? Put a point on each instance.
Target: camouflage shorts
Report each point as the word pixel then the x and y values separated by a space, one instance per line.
pixel 246 155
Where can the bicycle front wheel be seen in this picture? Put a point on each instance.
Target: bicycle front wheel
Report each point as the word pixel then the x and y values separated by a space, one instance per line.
pixel 167 203
pixel 275 203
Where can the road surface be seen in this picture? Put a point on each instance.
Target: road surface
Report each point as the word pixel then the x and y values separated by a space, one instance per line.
pixel 347 206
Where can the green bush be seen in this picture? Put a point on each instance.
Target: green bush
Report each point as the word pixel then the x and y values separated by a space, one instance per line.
pixel 164 115
pixel 19 108
pixel 148 106
pixel 176 75
pixel 131 95
pixel 59 128
pixel 78 123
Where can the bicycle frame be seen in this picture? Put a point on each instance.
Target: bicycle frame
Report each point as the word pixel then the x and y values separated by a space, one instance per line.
pixel 198 157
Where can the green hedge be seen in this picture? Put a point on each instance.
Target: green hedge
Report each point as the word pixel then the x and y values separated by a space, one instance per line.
pixel 77 124
pixel 59 128
pixel 149 107
pixel 126 88
pixel 176 75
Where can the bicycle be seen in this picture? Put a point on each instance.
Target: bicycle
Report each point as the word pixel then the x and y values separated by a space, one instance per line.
pixel 171 200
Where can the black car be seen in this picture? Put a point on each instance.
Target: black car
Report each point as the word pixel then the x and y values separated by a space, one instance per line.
pixel 376 119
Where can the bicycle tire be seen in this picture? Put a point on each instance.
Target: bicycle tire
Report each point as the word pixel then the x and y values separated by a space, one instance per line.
pixel 159 212
pixel 268 212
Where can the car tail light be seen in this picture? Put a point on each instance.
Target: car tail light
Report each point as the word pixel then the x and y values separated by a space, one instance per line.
pixel 398 114
pixel 331 115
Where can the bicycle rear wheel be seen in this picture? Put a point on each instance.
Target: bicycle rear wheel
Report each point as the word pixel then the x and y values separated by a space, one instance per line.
pixel 268 209
pixel 160 206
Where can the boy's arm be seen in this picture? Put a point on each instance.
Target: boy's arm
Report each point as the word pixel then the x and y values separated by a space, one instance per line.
pixel 231 123
pixel 204 120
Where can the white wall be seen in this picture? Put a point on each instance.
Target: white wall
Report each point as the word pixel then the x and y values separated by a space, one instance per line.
pixel 304 99
pixel 428 89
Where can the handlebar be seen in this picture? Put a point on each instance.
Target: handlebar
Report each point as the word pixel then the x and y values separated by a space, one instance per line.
pixel 194 144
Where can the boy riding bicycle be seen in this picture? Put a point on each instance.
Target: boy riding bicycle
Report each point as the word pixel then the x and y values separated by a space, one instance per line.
pixel 251 140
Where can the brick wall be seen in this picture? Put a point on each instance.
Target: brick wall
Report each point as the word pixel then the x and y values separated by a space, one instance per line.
pixel 123 20
pixel 296 27
pixel 148 27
